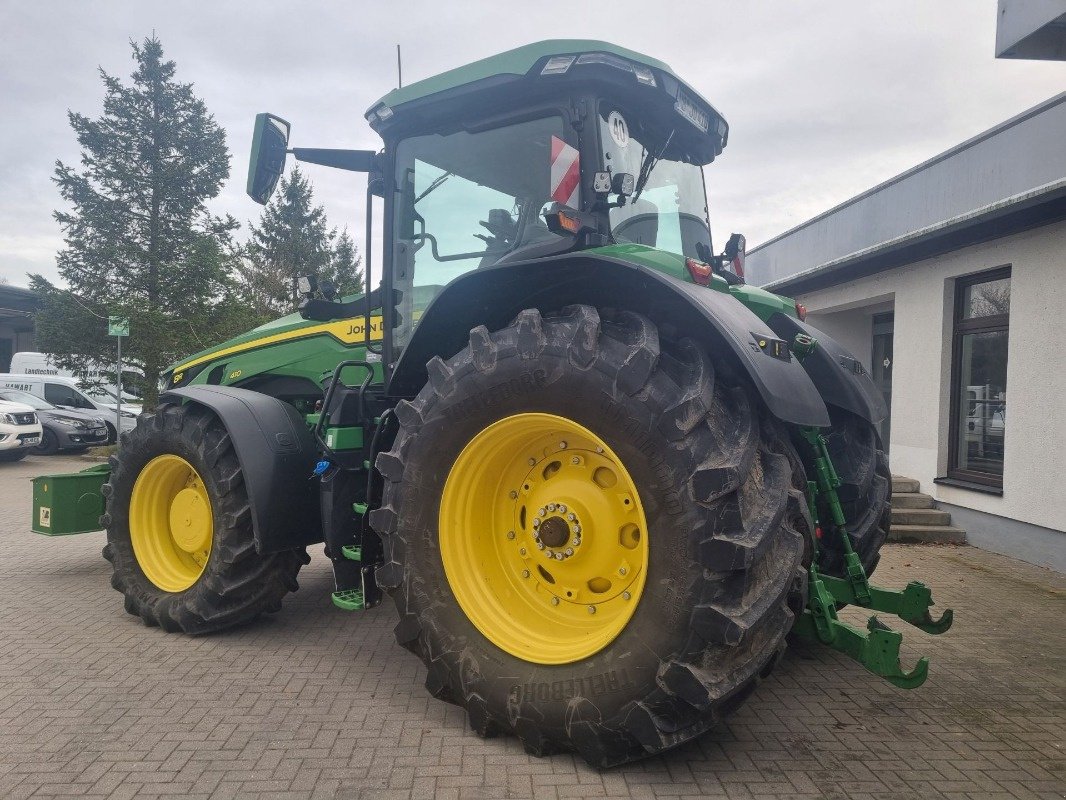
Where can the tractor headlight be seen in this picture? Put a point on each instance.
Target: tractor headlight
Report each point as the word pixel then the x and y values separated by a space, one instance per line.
pixel 642 73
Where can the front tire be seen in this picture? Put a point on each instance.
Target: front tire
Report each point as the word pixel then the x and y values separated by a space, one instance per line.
pixel 179 528
pixel 723 535
pixel 49 445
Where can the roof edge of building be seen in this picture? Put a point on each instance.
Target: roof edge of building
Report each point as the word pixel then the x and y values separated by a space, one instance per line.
pixel 1030 198
pixel 1029 113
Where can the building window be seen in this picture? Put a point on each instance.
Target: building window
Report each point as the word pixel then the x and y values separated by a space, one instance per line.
pixel 979 377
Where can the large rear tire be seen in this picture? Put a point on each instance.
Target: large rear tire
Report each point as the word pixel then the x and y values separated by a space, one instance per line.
pixel 709 556
pixel 179 528
pixel 865 493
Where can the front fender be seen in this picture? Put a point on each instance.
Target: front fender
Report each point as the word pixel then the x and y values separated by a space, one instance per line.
pixel 840 377
pixel 492 297
pixel 277 454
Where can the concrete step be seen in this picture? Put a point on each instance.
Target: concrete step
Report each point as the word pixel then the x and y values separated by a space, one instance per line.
pixel 912 500
pixel 902 484
pixel 920 516
pixel 927 534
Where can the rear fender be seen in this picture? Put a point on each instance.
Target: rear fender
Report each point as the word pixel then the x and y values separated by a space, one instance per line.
pixel 839 376
pixel 492 297
pixel 277 454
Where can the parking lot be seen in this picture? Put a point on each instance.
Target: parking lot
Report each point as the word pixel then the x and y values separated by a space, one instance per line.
pixel 316 703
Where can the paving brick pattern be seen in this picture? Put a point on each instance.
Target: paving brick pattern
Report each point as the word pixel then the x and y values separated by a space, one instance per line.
pixel 316 703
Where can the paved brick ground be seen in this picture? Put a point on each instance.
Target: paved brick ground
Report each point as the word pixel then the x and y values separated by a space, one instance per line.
pixel 314 703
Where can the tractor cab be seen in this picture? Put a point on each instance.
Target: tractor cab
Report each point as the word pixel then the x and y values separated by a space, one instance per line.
pixel 552 148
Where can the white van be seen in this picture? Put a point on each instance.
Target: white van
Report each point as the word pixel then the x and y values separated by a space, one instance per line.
pixel 97 384
pixel 64 393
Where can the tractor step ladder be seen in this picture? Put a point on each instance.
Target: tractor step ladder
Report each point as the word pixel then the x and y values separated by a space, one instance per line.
pixel 349 600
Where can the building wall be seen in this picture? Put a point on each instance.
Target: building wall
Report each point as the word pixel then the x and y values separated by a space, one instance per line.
pixel 19 340
pixel 922 294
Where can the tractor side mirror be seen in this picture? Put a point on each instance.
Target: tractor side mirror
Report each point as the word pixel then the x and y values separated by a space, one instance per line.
pixel 270 141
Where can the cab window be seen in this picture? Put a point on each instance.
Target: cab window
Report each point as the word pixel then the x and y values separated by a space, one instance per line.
pixel 670 211
pixel 466 199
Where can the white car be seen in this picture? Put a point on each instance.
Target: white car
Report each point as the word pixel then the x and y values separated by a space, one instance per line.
pixel 20 430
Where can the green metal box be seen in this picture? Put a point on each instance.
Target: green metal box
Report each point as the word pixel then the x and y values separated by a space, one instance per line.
pixel 71 503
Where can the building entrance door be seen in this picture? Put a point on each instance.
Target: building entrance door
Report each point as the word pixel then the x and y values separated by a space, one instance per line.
pixel 881 362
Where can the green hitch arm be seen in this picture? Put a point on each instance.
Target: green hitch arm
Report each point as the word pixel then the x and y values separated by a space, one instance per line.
pixel 828 482
pixel 876 648
pixel 910 604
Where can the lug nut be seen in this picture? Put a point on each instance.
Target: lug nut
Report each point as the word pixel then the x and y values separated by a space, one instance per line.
pixel 550 506
pixel 510 534
pixel 577 529
pixel 571 517
pixel 599 449
pixel 562 508
pixel 558 556
pixel 540 546
pixel 540 512
pixel 536 522
pixel 550 554
pixel 592 609
pixel 621 570
pixel 569 551
pixel 577 541
pixel 575 460
pixel 562 445
pixel 626 595
pixel 555 601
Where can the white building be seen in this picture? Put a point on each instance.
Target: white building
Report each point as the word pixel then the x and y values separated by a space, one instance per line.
pixel 949 283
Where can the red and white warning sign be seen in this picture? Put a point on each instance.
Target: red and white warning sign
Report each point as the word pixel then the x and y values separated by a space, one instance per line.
pixel 566 173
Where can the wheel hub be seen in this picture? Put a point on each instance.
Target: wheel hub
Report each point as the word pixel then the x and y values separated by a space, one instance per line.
pixel 171 523
pixel 553 531
pixel 543 538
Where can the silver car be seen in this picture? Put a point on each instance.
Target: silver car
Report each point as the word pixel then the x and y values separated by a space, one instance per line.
pixel 62 429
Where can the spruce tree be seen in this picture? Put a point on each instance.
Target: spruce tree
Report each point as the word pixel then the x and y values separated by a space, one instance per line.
pixel 345 268
pixel 291 240
pixel 139 241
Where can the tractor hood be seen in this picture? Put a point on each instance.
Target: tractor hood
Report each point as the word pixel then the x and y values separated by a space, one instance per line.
pixel 289 326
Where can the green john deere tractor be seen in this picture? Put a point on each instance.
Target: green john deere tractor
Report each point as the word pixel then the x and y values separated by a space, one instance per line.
pixel 600 476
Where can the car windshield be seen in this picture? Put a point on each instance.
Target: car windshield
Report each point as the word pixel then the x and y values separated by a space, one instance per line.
pixel 101 395
pixel 27 399
pixel 468 199
pixel 670 212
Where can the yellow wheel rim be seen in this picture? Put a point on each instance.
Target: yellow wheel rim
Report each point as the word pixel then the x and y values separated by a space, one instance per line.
pixel 171 523
pixel 543 538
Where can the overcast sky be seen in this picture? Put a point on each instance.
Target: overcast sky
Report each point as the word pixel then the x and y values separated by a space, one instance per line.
pixel 824 99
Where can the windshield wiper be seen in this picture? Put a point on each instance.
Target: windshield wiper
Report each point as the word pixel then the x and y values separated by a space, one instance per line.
pixel 435 184
pixel 647 166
